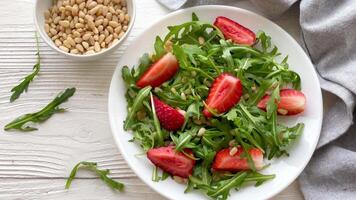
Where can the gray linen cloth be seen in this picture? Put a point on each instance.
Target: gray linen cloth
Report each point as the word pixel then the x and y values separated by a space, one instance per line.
pixel 329 36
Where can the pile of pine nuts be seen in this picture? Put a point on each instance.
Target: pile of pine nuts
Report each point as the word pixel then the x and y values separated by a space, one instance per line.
pixel 86 26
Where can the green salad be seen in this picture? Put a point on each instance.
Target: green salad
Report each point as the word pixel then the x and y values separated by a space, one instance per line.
pixel 204 105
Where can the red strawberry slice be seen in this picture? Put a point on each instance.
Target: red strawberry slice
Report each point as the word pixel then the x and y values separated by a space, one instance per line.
pixel 169 118
pixel 235 31
pixel 224 94
pixel 175 163
pixel 159 72
pixel 291 102
pixel 224 161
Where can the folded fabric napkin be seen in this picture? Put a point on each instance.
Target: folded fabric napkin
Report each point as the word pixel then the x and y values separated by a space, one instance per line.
pixel 329 36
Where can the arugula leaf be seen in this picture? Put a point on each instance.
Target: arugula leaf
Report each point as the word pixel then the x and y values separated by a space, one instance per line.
pixel 195 17
pixel 42 115
pixel 264 39
pixel 225 186
pixel 23 86
pixel 103 174
pixel 159 48
pixel 137 104
pixel 145 62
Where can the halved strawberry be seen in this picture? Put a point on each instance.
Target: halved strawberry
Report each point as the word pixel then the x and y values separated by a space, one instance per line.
pixel 169 118
pixel 291 102
pixel 235 31
pixel 159 72
pixel 224 161
pixel 175 163
pixel 223 95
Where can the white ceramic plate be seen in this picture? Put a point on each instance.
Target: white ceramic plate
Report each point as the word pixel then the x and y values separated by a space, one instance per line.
pixel 286 169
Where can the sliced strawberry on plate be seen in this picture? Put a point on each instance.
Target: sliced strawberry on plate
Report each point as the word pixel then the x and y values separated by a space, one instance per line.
pixel 291 102
pixel 169 118
pixel 226 160
pixel 224 93
pixel 175 163
pixel 235 31
pixel 159 72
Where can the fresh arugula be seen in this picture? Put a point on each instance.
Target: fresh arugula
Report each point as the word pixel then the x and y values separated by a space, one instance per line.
pixel 203 54
pixel 23 86
pixel 22 123
pixel 103 174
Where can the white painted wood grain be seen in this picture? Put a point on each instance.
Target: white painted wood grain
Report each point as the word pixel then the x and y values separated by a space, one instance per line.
pixel 35 165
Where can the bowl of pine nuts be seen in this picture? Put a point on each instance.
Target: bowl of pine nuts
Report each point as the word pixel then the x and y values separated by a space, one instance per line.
pixel 84 29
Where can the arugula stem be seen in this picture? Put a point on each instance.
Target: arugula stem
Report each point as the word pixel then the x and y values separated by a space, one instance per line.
pixel 158 133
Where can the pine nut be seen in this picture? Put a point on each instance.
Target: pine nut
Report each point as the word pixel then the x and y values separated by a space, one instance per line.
pixel 76 34
pixel 112 10
pixel 82 5
pixel 105 10
pixel 127 17
pixel 89 52
pixel 282 111
pixel 53 31
pixel 92 5
pixel 108 39
pixel 75 10
pixel 101 38
pixel 85 45
pixel 79 25
pixel 110 29
pixel 201 132
pixel 114 41
pixel 67 44
pixel 179 179
pixel 113 24
pixel 78 40
pixel 94 10
pixel 118 29
pixel 64 23
pixel 121 34
pixel 74 51
pixel 108 16
pixel 63 48
pixel 122 17
pixel 105 22
pixel 79 47
pixel 97 47
pixel 47 28
pixel 99 22
pixel 86 36
pixel 102 45
pixel 233 151
pixel 71 41
pixel 68 8
pixel 100 28
pixel 47 14
pixel 58 42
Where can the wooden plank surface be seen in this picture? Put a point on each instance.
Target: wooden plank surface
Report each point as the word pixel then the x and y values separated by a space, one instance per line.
pixel 35 165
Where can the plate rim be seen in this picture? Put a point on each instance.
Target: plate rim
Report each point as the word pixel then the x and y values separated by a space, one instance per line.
pixel 242 10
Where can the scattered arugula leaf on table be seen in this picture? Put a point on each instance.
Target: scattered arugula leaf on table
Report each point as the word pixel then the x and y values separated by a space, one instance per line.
pixel 21 123
pixel 103 174
pixel 23 86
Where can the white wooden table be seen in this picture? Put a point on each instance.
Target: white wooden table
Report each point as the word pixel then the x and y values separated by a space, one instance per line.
pixel 35 165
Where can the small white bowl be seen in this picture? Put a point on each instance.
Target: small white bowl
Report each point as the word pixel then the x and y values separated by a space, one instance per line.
pixel 43 5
